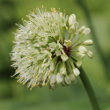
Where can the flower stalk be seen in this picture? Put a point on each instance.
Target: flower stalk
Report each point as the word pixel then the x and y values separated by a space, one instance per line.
pixel 89 90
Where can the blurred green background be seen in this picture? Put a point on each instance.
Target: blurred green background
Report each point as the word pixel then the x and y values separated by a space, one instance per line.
pixel 14 96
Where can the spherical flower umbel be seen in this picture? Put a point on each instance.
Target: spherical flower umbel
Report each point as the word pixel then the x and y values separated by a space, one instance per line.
pixel 49 48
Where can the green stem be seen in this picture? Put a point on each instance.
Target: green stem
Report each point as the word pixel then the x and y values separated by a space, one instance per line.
pixel 89 90
pixel 85 9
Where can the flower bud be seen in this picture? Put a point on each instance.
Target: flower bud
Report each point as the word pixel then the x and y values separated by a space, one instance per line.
pixel 72 77
pixel 86 31
pixel 88 42
pixel 52 46
pixel 64 57
pixel 80 55
pixel 82 49
pixel 52 79
pixel 67 43
pixel 59 78
pixel 58 52
pixel 62 68
pixel 67 80
pixel 82 29
pixel 72 19
pixel 76 72
pixel 79 63
pixel 90 54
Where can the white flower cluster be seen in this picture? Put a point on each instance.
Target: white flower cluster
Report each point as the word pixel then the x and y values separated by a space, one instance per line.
pixel 48 49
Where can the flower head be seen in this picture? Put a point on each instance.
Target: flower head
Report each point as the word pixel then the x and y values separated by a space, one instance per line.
pixel 49 48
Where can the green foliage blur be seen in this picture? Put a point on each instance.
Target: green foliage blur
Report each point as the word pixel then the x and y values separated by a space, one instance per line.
pixel 14 96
